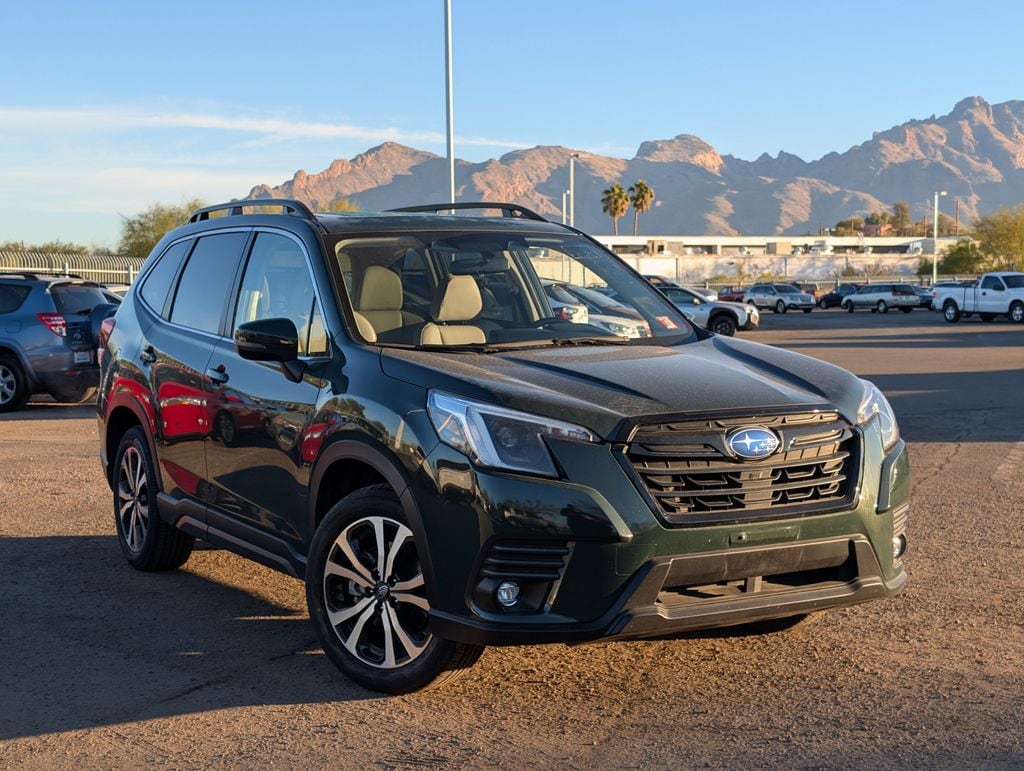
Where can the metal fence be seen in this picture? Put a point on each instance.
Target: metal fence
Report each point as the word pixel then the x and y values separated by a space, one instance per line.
pixel 102 268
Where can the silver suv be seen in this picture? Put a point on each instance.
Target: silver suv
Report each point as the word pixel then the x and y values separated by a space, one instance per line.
pixel 779 297
pixel 881 297
pixel 49 328
pixel 722 318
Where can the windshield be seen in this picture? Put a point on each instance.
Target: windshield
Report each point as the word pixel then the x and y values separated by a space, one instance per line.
pixel 483 291
pixel 1014 282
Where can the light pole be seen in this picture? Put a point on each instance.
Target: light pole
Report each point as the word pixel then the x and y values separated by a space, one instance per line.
pixel 448 97
pixel 935 238
pixel 572 189
pixel 564 194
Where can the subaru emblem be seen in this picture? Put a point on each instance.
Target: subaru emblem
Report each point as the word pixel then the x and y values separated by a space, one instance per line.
pixel 752 443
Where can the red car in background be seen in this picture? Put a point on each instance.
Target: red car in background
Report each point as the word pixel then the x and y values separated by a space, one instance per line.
pixel 732 294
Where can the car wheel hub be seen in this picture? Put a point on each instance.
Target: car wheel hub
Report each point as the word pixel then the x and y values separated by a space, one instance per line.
pixel 133 499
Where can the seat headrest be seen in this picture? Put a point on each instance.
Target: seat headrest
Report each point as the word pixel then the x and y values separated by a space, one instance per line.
pixel 461 300
pixel 381 290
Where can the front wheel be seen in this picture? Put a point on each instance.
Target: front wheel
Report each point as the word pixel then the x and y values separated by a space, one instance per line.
pixel 849 307
pixel 1017 313
pixel 882 307
pixel 367 597
pixel 780 307
pixel 723 324
pixel 950 312
pixel 823 304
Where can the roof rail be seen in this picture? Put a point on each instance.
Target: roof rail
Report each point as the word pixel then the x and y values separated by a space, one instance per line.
pixel 290 207
pixel 507 209
pixel 33 275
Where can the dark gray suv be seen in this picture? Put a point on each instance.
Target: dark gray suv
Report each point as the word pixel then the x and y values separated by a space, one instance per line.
pixel 49 329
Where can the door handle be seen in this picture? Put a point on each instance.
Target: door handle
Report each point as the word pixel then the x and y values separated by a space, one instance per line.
pixel 148 354
pixel 218 374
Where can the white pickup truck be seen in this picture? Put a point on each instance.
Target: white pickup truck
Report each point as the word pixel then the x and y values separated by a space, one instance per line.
pixel 995 294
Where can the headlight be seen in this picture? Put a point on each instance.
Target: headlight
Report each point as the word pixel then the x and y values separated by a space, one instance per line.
pixel 873 404
pixel 618 329
pixel 498 437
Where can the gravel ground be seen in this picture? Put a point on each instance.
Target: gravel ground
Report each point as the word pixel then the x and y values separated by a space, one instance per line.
pixel 216 665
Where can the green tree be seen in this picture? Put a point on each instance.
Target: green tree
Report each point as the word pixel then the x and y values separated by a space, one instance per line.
pixel 965 257
pixel 641 195
pixel 1000 236
pixel 901 218
pixel 615 203
pixel 849 227
pixel 139 234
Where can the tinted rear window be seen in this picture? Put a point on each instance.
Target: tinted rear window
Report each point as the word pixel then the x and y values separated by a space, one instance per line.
pixel 206 282
pixel 11 297
pixel 76 299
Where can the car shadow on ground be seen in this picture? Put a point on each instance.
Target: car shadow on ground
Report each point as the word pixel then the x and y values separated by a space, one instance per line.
pixel 89 641
pixel 51 410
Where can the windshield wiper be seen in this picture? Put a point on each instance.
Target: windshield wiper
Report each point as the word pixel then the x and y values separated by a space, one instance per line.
pixel 612 340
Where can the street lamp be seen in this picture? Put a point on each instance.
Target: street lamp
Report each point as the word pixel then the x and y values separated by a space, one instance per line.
pixel 935 238
pixel 572 189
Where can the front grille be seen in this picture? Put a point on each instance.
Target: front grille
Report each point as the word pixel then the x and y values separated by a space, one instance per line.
pixel 691 476
pixel 525 561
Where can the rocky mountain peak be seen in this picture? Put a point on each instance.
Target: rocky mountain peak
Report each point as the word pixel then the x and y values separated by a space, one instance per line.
pixel 684 148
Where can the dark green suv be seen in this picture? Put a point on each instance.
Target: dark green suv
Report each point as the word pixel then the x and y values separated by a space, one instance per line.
pixel 388 407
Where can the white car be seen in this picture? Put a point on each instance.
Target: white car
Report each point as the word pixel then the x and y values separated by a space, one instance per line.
pixel 720 317
pixel 598 310
pixel 779 297
pixel 707 294
pixel 880 298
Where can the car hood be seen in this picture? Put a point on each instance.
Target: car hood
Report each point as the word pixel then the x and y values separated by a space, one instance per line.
pixel 607 388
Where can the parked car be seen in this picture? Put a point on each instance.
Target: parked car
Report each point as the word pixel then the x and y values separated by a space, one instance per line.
pixel 807 288
pixel 445 471
pixel 564 305
pixel 880 298
pixel 996 294
pixel 835 298
pixel 49 329
pixel 660 281
pixel 601 310
pixel 707 294
pixel 924 296
pixel 779 297
pixel 732 294
pixel 938 287
pixel 721 318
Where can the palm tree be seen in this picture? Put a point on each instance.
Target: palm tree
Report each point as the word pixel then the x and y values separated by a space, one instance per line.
pixel 615 203
pixel 641 195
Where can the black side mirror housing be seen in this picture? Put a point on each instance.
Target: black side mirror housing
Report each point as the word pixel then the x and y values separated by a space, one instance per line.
pixel 271 340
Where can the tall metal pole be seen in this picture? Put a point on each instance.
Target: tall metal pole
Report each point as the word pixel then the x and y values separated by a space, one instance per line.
pixel 564 194
pixel 572 189
pixel 935 238
pixel 448 97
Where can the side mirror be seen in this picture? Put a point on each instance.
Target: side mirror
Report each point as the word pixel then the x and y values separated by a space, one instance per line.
pixel 268 340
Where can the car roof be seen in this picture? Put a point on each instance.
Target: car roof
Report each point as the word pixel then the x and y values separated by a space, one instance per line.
pixel 367 222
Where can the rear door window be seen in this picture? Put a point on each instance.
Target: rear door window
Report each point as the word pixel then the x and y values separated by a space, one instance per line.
pixel 11 297
pixel 207 280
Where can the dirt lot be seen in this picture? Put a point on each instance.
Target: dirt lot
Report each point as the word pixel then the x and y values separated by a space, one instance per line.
pixel 216 665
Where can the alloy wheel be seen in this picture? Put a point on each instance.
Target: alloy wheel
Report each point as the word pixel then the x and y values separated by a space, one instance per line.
pixel 8 384
pixel 374 593
pixel 133 499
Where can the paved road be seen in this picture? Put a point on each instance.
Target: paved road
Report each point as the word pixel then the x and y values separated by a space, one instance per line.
pixel 217 665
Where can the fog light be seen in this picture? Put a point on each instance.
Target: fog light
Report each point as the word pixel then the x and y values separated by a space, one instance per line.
pixel 508 593
pixel 899 546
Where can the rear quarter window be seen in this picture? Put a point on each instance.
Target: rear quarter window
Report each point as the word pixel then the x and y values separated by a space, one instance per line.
pixel 12 297
pixel 156 287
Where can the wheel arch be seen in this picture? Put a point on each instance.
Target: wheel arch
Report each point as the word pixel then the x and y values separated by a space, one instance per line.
pixel 121 418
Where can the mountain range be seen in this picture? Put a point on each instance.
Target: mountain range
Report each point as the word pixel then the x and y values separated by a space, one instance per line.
pixel 976 153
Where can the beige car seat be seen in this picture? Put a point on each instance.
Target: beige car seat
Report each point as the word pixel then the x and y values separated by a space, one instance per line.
pixel 380 301
pixel 460 302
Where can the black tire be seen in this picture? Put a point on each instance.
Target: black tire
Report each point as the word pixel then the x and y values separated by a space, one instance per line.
pixel 160 546
pixel 73 393
pixel 723 324
pixel 987 316
pixel 360 595
pixel 780 307
pixel 881 307
pixel 14 390
pixel 950 312
pixel 907 310
pixel 807 310
pixel 1017 313
pixel 823 304
pixel 848 306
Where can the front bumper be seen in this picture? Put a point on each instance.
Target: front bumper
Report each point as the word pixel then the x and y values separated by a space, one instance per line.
pixel 626 573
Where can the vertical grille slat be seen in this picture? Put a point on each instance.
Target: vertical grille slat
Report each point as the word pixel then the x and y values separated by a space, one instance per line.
pixel 689 474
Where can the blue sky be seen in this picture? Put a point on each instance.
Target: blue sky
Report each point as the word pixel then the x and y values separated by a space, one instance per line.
pixel 106 108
